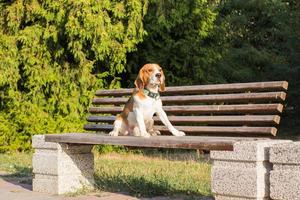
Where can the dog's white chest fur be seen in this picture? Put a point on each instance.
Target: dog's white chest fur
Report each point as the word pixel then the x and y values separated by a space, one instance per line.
pixel 147 108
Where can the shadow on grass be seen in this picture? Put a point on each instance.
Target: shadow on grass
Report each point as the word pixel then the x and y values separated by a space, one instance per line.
pixel 168 154
pixel 21 176
pixel 141 187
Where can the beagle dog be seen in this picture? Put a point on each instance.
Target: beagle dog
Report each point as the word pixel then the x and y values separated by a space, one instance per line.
pixel 137 116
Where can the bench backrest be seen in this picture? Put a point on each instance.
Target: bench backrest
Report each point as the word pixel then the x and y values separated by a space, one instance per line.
pixel 239 109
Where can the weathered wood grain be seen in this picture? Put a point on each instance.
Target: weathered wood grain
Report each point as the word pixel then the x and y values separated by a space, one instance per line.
pixel 218 130
pixel 205 109
pixel 215 88
pixel 191 142
pixel 212 120
pixel 239 97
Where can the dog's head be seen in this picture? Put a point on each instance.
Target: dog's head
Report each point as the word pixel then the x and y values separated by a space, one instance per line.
pixel 150 74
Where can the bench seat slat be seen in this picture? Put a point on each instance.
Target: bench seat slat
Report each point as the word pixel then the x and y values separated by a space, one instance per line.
pixel 200 89
pixel 239 97
pixel 216 120
pixel 191 142
pixel 233 130
pixel 204 109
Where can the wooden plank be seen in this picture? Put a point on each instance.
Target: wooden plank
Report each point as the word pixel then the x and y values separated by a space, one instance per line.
pixel 105 119
pixel 240 97
pixel 214 88
pixel 216 120
pixel 226 120
pixel 235 130
pixel 205 109
pixel 238 130
pixel 191 142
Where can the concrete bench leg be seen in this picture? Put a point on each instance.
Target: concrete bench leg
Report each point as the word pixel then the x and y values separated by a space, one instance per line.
pixel 61 168
pixel 285 176
pixel 242 173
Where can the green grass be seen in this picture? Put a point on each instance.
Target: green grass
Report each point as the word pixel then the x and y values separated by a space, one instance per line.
pixel 147 176
pixel 16 164
pixel 137 174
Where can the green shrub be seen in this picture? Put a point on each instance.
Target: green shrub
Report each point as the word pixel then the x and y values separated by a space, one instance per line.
pixel 54 55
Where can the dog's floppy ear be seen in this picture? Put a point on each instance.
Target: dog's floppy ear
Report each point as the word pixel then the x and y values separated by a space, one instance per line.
pixel 162 84
pixel 162 87
pixel 140 80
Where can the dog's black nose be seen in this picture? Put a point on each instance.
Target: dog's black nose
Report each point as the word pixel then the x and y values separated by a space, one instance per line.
pixel 158 75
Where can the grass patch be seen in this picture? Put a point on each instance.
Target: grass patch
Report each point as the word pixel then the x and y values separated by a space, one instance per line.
pixel 154 174
pixel 149 176
pixel 16 164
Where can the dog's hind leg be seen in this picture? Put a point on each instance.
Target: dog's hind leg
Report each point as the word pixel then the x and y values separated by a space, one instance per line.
pixel 150 128
pixel 117 126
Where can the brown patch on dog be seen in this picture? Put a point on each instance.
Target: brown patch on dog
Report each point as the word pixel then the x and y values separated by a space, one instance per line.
pixel 119 117
pixel 162 84
pixel 141 95
pixel 127 108
pixel 124 114
pixel 141 80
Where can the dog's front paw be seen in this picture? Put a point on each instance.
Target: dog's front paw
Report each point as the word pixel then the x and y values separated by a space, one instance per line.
pixel 113 133
pixel 145 134
pixel 154 133
pixel 178 133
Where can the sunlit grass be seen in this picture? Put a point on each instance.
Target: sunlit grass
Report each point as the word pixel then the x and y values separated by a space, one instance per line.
pixel 136 174
pixel 16 164
pixel 145 176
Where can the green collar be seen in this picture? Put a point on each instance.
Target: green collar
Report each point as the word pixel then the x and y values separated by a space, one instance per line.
pixel 151 94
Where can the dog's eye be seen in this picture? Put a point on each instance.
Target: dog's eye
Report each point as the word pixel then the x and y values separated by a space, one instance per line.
pixel 150 70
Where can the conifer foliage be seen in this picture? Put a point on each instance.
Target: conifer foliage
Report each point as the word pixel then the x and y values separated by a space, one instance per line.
pixel 53 55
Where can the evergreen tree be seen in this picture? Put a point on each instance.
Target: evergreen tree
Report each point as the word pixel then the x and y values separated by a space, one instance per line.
pixel 262 42
pixel 54 55
pixel 178 35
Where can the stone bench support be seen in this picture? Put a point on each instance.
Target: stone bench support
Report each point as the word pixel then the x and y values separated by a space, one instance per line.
pixel 285 176
pixel 244 172
pixel 61 168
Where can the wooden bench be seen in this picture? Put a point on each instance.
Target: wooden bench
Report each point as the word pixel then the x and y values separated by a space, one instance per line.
pixel 235 120
pixel 213 117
